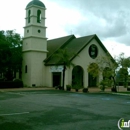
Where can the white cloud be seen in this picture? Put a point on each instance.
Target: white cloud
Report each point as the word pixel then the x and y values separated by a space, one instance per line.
pixel 12 15
pixel 108 19
pixel 116 48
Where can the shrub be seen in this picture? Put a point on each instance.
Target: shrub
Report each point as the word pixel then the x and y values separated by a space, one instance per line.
pixel 11 84
pixel 128 88
pixel 105 83
pixel 102 85
pixel 113 89
pixel 77 87
pixel 59 87
pixel 17 80
pixel 85 90
pixel 68 87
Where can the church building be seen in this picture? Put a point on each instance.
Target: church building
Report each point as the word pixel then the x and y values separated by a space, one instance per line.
pixel 39 67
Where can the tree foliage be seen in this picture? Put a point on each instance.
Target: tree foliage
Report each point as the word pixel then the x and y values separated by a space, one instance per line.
pixel 123 61
pixel 10 53
pixel 63 57
pixel 106 66
pixel 93 69
pixel 123 66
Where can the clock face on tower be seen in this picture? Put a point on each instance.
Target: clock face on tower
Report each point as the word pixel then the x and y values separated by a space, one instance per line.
pixel 93 51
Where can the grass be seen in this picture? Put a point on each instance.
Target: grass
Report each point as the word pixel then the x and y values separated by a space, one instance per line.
pixel 125 93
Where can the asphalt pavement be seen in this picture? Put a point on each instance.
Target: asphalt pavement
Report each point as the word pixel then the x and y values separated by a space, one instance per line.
pixel 61 110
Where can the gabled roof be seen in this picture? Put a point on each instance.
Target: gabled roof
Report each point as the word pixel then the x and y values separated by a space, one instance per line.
pixel 72 44
pixel 54 44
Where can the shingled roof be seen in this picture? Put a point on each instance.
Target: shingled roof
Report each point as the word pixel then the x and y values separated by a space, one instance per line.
pixel 55 44
pixel 72 44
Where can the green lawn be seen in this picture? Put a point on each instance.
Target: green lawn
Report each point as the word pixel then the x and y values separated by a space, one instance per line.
pixel 124 92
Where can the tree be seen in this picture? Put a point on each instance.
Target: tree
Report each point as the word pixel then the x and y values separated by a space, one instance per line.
pixel 4 52
pixel 123 66
pixel 63 59
pixel 123 76
pixel 106 66
pixel 123 61
pixel 10 53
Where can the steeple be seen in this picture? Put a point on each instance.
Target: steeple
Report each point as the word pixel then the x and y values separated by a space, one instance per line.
pixel 34 44
pixel 36 3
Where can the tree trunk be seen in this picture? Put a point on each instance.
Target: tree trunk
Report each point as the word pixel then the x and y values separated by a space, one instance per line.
pixel 114 87
pixel 64 76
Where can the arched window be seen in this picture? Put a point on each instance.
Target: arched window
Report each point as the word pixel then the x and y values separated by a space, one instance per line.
pixel 26 69
pixel 39 16
pixel 77 76
pixel 29 13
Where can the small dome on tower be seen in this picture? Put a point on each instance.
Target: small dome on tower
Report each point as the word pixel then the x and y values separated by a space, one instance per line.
pixel 35 2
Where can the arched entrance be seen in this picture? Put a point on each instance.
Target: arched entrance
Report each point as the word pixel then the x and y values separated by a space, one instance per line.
pixel 93 75
pixel 92 81
pixel 77 76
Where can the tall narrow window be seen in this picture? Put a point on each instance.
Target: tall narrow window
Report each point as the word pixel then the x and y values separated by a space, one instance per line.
pixel 29 13
pixel 26 68
pixel 39 16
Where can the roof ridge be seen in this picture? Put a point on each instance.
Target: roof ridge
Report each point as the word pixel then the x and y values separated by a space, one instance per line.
pixel 61 37
pixel 86 36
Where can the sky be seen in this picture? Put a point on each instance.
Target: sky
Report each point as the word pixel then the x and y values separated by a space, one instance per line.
pixel 108 19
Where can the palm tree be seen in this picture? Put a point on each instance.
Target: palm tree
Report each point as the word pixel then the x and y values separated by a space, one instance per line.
pixel 63 59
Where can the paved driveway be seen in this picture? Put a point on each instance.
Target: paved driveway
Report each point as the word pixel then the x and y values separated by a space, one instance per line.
pixel 60 110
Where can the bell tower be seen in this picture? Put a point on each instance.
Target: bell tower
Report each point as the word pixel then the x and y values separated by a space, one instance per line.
pixel 34 45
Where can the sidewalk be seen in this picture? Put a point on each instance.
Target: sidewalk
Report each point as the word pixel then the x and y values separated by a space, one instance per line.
pixel 25 89
pixel 97 90
pixel 91 90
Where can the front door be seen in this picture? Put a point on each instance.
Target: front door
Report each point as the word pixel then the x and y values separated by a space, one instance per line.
pixel 92 81
pixel 56 79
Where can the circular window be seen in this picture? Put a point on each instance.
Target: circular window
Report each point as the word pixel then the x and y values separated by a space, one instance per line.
pixel 93 51
pixel 39 31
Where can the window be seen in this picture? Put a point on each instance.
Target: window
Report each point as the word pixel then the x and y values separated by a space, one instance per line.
pixel 93 51
pixel 39 16
pixel 26 69
pixel 29 13
pixel 39 31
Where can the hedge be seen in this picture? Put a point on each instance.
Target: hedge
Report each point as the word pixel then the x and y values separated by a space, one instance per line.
pixel 122 83
pixel 85 90
pixel 11 84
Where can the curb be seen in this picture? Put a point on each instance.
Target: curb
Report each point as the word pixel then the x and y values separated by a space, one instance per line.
pixel 122 94
pixel 25 89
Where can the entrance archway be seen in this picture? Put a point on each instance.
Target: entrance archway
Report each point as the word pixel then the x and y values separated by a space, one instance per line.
pixel 93 75
pixel 92 81
pixel 77 76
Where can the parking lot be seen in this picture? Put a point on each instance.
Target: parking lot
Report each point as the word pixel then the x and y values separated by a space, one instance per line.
pixel 61 110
